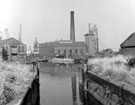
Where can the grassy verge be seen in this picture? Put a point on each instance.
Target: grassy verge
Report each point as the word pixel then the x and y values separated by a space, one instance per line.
pixel 15 79
pixel 114 69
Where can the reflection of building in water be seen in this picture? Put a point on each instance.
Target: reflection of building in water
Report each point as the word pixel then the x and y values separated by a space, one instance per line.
pixel 74 91
pixel 82 95
pixel 86 98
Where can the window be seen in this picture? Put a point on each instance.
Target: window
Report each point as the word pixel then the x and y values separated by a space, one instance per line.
pixel 76 51
pixel 70 51
pixel 81 51
pixel 6 47
pixel 65 52
pixel 58 51
pixel 21 48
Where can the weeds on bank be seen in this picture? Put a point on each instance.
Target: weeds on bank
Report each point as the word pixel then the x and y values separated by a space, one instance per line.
pixel 117 69
pixel 15 79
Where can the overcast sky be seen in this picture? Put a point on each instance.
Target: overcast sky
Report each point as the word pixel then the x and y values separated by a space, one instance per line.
pixel 50 19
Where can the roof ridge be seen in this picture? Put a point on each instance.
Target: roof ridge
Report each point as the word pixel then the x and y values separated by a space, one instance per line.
pixel 128 38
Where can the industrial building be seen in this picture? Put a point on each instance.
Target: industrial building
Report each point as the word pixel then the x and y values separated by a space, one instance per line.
pixel 63 47
pixel 128 46
pixel 13 50
pixel 71 48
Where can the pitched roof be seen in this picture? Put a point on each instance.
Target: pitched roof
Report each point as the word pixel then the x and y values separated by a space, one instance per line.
pixel 65 44
pixel 10 41
pixel 129 42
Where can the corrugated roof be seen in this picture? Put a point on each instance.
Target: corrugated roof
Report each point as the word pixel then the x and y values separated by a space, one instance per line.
pixel 129 42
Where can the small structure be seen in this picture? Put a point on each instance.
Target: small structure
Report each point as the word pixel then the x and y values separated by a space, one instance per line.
pixel 128 46
pixel 107 52
pixel 12 50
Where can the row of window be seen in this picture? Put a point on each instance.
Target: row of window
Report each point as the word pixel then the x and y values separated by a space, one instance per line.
pixel 70 51
pixel 21 48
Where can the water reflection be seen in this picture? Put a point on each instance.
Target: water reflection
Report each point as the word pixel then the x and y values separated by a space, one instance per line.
pixel 73 78
pixel 59 85
pixel 86 98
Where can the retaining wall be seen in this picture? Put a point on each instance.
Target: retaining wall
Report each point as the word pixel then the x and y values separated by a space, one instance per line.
pixel 32 96
pixel 106 92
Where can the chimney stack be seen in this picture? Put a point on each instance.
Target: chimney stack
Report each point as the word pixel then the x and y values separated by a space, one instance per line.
pixel 72 27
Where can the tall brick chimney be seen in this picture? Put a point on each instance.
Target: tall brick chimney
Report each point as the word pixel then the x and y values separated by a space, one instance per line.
pixel 72 27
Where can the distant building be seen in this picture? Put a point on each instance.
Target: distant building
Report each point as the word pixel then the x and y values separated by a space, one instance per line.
pixel 13 50
pixel 36 47
pixel 128 46
pixel 67 48
pixel 107 52
pixel 91 40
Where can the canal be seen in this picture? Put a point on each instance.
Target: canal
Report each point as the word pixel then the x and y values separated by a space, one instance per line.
pixel 59 85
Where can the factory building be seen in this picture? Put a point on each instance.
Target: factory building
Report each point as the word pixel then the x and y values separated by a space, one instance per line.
pixel 13 50
pixel 72 48
pixel 69 48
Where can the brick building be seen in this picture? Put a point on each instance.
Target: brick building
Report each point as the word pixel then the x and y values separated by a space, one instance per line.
pixel 63 47
pixel 13 50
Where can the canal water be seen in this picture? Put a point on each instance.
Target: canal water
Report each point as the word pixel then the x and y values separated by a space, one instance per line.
pixel 59 85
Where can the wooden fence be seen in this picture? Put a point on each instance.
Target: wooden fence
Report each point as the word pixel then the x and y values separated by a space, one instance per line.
pixel 105 92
